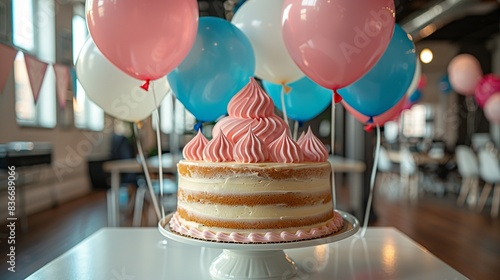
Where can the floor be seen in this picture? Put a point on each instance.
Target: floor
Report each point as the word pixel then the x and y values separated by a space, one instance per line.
pixel 466 240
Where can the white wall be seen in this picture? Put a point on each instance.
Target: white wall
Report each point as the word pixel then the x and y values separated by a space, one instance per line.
pixel 67 177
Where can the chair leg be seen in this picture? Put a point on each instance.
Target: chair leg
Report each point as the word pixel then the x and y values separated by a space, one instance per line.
pixel 472 199
pixel 496 201
pixel 484 196
pixel 413 191
pixel 139 202
pixel 464 190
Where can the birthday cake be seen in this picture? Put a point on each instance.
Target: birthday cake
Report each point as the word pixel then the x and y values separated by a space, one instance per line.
pixel 252 183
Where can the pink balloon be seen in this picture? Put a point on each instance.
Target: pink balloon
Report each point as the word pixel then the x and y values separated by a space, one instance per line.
pixel 488 86
pixel 335 42
pixel 464 72
pixel 146 39
pixel 422 83
pixel 380 120
pixel 492 108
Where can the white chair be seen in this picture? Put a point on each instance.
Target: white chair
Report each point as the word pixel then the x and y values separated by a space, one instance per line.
pixel 479 140
pixel 468 168
pixel 169 199
pixel 409 174
pixel 489 169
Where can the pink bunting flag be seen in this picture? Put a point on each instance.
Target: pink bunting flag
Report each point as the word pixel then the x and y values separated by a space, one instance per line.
pixel 7 56
pixel 36 73
pixel 62 83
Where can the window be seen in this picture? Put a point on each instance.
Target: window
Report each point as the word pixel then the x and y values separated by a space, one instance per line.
pixel 417 122
pixel 87 114
pixel 173 115
pixel 34 32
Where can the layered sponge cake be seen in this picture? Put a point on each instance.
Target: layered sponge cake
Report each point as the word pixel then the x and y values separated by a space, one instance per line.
pixel 252 182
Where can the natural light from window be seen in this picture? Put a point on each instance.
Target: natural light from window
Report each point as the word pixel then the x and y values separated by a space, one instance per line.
pixel 87 114
pixel 34 33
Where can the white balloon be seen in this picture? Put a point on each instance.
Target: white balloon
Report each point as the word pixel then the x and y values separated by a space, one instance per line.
pixel 416 79
pixel 117 93
pixel 260 21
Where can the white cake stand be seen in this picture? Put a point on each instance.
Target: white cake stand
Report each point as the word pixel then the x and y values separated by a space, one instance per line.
pixel 258 261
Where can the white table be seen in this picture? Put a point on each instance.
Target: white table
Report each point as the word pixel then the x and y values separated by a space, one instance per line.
pixel 143 253
pixel 117 167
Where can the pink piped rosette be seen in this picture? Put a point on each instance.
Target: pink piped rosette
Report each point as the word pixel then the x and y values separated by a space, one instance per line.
pixel 252 133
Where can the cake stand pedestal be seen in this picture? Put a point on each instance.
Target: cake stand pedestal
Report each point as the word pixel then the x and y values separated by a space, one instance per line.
pixel 258 260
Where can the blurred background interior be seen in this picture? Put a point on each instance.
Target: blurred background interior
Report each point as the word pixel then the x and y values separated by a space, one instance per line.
pixel 439 158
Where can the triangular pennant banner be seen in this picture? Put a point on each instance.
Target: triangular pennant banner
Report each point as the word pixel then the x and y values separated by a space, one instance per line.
pixel 62 82
pixel 36 73
pixel 7 56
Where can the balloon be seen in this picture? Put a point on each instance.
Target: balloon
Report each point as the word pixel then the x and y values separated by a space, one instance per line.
pixel 464 72
pixel 115 92
pixel 415 96
pixel 416 78
pixel 260 21
pixel 146 39
pixel 305 100
pixel 217 67
pixel 335 42
pixel 408 104
pixel 492 108
pixel 444 85
pixel 488 86
pixel 422 83
pixel 384 85
pixel 381 119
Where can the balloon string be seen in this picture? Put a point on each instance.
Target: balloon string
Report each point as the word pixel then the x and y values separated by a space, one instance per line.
pixel 332 143
pixel 336 96
pixel 372 185
pixel 283 107
pixel 146 171
pixel 295 130
pixel 160 154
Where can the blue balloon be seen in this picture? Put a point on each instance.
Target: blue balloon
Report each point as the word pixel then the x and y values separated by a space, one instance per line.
pixel 386 83
pixel 444 85
pixel 219 64
pixel 415 96
pixel 305 100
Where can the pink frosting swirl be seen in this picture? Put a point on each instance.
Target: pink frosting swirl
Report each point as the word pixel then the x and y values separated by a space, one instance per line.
pixel 314 150
pixel 250 149
pixel 194 148
pixel 284 149
pixel 219 149
pixel 267 129
pixel 251 102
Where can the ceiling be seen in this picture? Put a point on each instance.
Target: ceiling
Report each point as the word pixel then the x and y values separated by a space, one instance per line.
pixel 455 20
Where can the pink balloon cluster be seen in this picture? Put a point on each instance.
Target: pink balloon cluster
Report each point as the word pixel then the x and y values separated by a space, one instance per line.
pixel 466 78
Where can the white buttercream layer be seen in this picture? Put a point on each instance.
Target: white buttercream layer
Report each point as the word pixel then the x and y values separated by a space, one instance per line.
pixel 250 184
pixel 253 213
